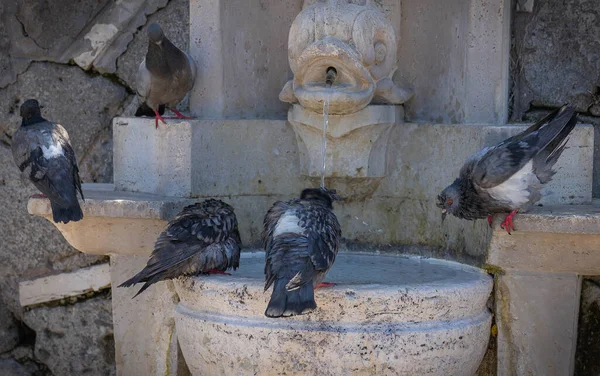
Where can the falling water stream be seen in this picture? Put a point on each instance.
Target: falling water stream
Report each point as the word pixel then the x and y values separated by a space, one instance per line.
pixel 324 144
pixel 329 78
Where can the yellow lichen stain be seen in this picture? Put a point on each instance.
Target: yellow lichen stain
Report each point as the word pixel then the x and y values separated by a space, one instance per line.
pixel 493 269
pixel 494 330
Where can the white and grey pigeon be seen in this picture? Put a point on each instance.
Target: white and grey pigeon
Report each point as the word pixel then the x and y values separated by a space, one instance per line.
pixel 301 238
pixel 164 77
pixel 43 153
pixel 202 239
pixel 507 178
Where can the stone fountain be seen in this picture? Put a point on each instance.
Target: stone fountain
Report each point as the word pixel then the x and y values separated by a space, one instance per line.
pixel 390 313
pixel 359 44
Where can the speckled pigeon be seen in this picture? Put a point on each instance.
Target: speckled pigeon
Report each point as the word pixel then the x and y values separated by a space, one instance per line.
pixel 164 77
pixel 508 177
pixel 202 239
pixel 301 238
pixel 42 151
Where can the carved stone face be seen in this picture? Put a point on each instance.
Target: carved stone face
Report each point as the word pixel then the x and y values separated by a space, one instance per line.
pixel 358 41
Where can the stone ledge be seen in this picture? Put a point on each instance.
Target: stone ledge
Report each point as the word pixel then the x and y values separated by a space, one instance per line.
pixel 56 287
pixel 569 219
pixel 101 200
pixel 550 239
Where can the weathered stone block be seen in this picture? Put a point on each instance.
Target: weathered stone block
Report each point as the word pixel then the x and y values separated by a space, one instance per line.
pixel 75 339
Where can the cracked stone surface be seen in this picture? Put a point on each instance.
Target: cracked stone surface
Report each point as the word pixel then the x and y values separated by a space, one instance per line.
pixel 43 59
pixel 83 331
pixel 557 47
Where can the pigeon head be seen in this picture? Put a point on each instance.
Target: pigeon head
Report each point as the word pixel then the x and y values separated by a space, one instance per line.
pixel 155 33
pixel 30 111
pixel 322 195
pixel 448 200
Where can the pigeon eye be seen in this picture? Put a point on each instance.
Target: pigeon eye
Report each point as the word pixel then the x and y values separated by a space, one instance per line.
pixel 449 202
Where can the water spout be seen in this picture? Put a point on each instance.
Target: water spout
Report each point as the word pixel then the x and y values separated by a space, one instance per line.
pixel 330 76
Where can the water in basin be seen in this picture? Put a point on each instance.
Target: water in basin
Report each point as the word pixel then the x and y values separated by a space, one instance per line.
pixel 365 269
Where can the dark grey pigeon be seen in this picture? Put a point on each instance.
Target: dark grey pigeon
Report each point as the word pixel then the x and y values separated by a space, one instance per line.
pixel 164 77
pixel 202 239
pixel 508 177
pixel 42 151
pixel 301 238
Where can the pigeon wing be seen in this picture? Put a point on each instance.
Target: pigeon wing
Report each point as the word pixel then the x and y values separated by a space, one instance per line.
pixel 504 160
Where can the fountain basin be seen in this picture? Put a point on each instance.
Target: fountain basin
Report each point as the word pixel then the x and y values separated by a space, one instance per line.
pixel 386 314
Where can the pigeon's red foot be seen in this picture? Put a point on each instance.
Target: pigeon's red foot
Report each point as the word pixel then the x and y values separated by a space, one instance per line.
pixel 39 195
pixel 490 220
pixel 180 115
pixel 325 284
pixel 158 117
pixel 216 271
pixel 507 224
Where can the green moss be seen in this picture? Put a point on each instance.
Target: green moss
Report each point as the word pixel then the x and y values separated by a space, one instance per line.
pixel 493 269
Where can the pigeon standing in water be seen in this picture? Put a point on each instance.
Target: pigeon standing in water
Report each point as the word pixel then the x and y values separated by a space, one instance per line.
pixel 164 77
pixel 301 238
pixel 202 239
pixel 508 177
pixel 42 151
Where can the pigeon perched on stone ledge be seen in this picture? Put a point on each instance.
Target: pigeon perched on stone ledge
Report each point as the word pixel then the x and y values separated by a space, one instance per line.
pixel 202 239
pixel 301 238
pixel 164 77
pixel 42 151
pixel 508 177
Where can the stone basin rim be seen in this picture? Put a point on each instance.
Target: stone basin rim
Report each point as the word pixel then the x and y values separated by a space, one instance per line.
pixel 293 323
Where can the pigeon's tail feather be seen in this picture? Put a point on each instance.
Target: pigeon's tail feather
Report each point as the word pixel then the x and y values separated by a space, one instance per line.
pixel 66 214
pixel 545 160
pixel 290 303
pixel 140 277
pixel 145 110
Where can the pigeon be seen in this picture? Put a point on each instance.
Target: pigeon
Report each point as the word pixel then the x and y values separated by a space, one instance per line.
pixel 508 177
pixel 164 77
pixel 202 239
pixel 43 153
pixel 301 239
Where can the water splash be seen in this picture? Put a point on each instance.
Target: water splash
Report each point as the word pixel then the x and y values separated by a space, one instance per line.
pixel 324 144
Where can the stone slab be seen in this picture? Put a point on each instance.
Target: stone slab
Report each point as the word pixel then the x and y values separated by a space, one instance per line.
pixel 242 63
pixel 463 77
pixel 537 317
pixel 145 339
pixel 169 148
pixel 560 239
pixel 56 287
pixel 386 314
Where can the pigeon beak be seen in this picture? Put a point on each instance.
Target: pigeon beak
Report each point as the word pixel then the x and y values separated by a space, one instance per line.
pixel 41 106
pixel 444 215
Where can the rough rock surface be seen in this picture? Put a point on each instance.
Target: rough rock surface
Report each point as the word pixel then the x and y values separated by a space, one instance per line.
pixel 91 33
pixel 9 332
pixel 556 54
pixel 75 339
pixel 10 367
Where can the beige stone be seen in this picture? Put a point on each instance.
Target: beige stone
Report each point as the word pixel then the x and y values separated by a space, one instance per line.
pixel 391 315
pixel 356 143
pixel 539 286
pixel 145 338
pixel 59 286
pixel 358 42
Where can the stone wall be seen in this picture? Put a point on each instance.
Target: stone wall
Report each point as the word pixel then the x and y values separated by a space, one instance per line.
pixel 555 59
pixel 79 60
